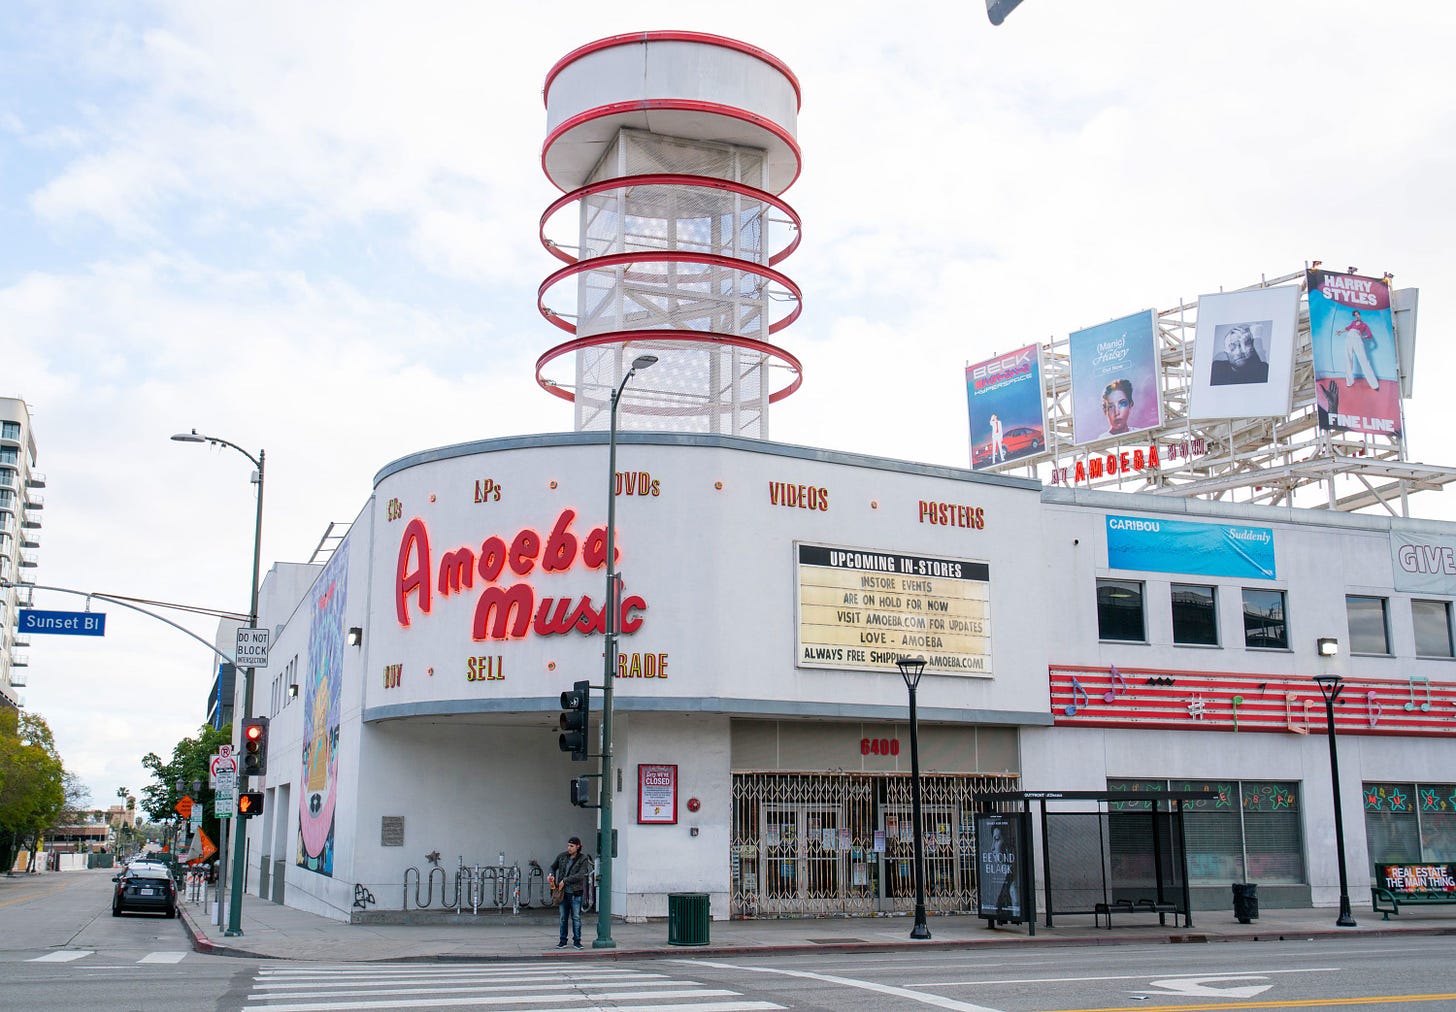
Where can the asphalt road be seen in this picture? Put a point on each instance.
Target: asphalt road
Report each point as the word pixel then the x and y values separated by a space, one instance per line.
pixel 60 948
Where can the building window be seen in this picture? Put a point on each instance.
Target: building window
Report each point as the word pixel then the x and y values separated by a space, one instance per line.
pixel 1432 622
pixel 1264 622
pixel 1241 831
pixel 1369 632
pixel 10 430
pixel 1410 823
pixel 1120 610
pixel 1195 615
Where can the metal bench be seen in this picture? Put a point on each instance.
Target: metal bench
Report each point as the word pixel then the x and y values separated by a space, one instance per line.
pixel 1141 906
pixel 1411 884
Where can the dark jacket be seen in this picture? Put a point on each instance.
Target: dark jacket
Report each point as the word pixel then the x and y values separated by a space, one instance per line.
pixel 572 872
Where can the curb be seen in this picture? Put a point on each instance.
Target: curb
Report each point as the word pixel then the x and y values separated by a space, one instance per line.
pixel 202 943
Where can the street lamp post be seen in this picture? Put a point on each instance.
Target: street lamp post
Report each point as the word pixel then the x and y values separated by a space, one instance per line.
pixel 910 669
pixel 609 668
pixel 240 845
pixel 1330 687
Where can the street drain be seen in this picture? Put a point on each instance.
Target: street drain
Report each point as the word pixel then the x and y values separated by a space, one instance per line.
pixel 834 941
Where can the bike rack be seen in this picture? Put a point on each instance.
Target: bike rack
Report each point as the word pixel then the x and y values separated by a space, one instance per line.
pixel 476 886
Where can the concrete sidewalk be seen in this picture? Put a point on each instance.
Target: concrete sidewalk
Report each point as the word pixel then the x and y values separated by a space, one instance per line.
pixel 271 931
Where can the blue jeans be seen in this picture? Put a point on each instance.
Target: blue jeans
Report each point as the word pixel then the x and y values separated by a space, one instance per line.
pixel 571 910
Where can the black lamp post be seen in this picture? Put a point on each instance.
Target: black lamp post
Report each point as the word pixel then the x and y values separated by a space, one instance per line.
pixel 910 669
pixel 604 938
pixel 1330 687
pixel 240 836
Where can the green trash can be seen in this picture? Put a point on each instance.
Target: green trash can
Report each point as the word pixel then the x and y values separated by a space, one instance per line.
pixel 687 918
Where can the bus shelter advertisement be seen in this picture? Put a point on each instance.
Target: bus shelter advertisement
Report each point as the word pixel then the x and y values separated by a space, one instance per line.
pixel 1000 858
pixel 1004 395
pixel 1357 378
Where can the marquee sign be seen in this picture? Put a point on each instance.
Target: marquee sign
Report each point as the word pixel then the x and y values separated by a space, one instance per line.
pixel 1217 701
pixel 865 610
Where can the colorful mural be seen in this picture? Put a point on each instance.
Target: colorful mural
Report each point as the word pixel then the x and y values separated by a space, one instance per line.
pixel 323 679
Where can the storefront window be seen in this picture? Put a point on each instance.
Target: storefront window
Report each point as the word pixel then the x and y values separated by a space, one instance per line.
pixel 1273 840
pixel 1369 632
pixel 1407 823
pixel 1214 832
pixel 1246 830
pixel 1432 622
pixel 1195 615
pixel 1120 610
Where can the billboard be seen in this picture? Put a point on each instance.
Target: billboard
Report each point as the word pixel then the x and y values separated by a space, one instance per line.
pixel 1356 374
pixel 1004 395
pixel 864 610
pixel 1115 379
pixel 1243 353
pixel 1157 545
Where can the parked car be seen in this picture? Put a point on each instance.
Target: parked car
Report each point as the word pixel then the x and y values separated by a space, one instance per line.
pixel 144 888
pixel 1018 441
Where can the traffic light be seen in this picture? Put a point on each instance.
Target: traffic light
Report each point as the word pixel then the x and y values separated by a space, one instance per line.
pixel 255 747
pixel 581 792
pixel 250 803
pixel 576 705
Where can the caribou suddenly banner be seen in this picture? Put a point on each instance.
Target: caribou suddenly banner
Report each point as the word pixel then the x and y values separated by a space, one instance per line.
pixel 1357 381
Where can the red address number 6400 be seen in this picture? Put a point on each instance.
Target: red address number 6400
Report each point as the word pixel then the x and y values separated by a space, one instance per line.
pixel 879 746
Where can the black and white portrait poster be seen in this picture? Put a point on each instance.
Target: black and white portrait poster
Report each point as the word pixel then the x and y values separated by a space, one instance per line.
pixel 1243 353
pixel 999 850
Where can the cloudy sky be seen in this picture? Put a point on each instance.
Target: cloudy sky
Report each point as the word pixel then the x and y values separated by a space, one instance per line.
pixel 311 229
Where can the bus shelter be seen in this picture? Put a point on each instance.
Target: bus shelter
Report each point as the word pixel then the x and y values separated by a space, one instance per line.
pixel 1104 853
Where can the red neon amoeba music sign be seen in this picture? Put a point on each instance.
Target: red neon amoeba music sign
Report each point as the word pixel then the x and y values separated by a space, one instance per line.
pixel 510 610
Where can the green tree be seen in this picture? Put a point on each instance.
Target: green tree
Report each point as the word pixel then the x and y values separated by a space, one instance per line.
pixel 188 763
pixel 32 782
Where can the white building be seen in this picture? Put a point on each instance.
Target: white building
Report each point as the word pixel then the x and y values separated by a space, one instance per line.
pixel 768 590
pixel 20 516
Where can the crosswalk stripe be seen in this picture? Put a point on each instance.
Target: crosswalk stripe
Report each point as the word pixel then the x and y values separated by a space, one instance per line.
pixel 368 978
pixel 62 956
pixel 481 989
pixel 625 977
pixel 525 987
pixel 415 969
pixel 163 957
pixel 557 1002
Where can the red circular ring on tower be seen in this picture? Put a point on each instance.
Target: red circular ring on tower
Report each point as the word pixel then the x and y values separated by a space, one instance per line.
pixel 702 38
pixel 671 179
pixel 731 124
pixel 670 257
pixel 645 339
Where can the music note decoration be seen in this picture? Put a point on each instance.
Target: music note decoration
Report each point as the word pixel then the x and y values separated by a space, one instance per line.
pixel 1373 709
pixel 1426 682
pixel 1117 686
pixel 1071 708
